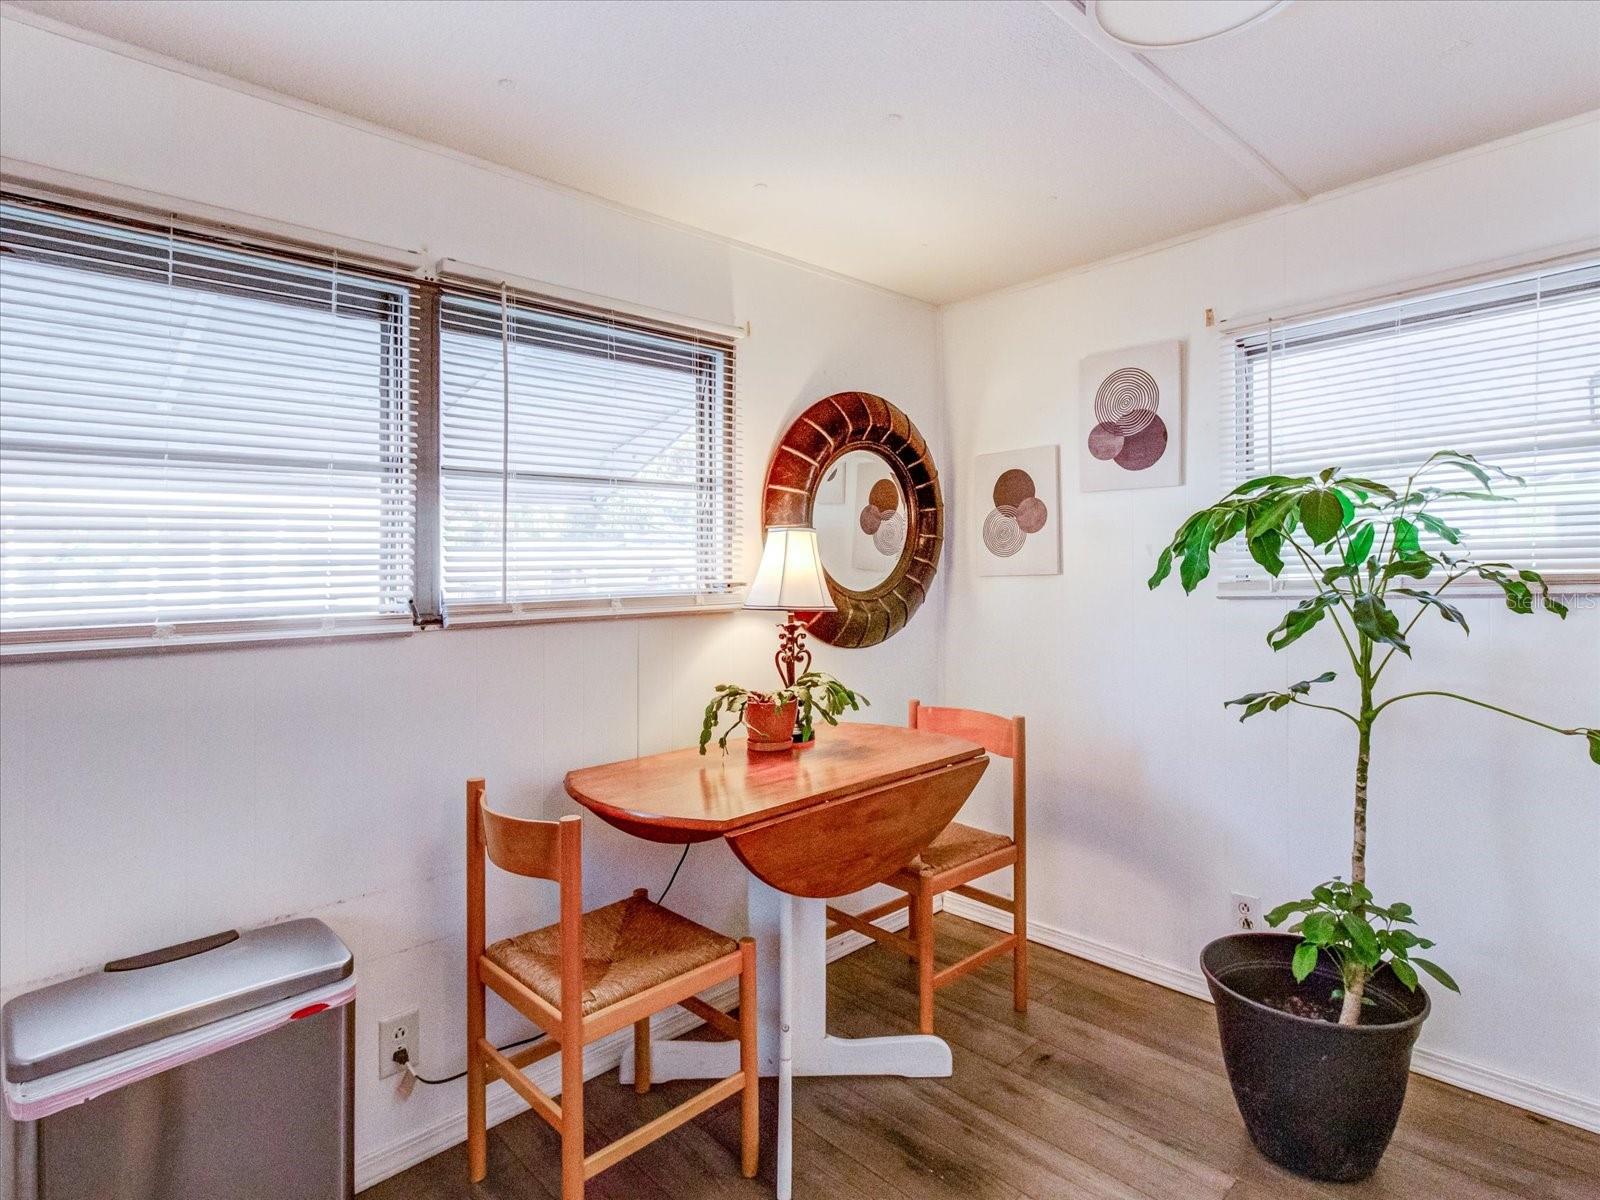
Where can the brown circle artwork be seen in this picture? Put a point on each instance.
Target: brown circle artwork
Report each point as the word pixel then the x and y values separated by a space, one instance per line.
pixel 1017 512
pixel 1128 430
pixel 906 512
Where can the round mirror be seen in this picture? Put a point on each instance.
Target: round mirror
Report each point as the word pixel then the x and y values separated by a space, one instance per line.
pixel 860 517
pixel 855 468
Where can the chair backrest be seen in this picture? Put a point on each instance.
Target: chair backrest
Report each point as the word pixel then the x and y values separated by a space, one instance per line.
pixel 1002 736
pixel 539 850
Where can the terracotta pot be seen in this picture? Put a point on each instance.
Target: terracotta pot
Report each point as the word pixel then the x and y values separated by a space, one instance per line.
pixel 771 726
pixel 1318 1098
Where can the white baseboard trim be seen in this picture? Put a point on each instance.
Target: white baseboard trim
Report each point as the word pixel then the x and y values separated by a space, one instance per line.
pixel 1485 1081
pixel 598 1057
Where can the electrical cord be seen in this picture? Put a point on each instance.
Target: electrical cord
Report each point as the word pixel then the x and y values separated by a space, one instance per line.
pixel 400 1056
pixel 403 1059
pixel 675 871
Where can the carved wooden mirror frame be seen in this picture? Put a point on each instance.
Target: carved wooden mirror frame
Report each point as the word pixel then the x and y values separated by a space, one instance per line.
pixel 830 428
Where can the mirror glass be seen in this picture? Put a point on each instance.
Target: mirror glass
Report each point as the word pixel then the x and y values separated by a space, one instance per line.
pixel 860 518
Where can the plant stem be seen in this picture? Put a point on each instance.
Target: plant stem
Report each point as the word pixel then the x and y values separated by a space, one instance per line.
pixel 1355 973
pixel 1480 704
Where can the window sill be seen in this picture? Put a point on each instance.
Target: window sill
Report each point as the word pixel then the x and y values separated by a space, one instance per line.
pixel 477 616
pixel 66 643
pixel 74 644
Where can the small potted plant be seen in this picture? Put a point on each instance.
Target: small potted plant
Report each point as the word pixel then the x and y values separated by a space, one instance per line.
pixel 781 720
pixel 1318 1023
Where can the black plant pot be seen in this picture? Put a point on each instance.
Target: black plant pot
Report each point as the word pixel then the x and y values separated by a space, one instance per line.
pixel 1318 1098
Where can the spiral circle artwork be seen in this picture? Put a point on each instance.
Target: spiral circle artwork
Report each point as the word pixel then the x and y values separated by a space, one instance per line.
pixel 1002 536
pixel 891 534
pixel 1128 430
pixel 1127 400
pixel 1017 512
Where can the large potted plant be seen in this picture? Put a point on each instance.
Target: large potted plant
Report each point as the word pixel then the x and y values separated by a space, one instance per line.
pixel 1317 1024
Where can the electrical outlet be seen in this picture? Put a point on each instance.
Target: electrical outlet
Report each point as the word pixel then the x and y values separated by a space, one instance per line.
pixel 397 1033
pixel 1247 912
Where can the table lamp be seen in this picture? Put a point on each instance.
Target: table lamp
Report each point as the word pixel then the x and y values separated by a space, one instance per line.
pixel 790 579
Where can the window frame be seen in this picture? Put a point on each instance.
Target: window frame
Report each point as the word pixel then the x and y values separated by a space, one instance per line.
pixel 411 341
pixel 1439 302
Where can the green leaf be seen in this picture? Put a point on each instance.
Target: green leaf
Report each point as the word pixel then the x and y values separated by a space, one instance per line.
pixel 1304 961
pixel 1273 516
pixel 1360 544
pixel 1414 568
pixel 1319 928
pixel 1323 515
pixel 1163 569
pixel 1594 744
pixel 1266 482
pixel 1404 972
pixel 1304 686
pixel 1284 911
pixel 1407 543
pixel 1538 583
pixel 1267 549
pixel 1196 563
pixel 1478 470
pixel 1448 611
pixel 1254 707
pixel 1432 523
pixel 1301 619
pixel 1368 485
pixel 1362 938
pixel 1438 972
pixel 1375 620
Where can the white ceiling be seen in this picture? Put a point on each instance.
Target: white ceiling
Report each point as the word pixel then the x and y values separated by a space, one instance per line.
pixel 938 149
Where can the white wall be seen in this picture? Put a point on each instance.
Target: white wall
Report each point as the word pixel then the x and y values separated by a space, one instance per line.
pixel 150 799
pixel 1150 804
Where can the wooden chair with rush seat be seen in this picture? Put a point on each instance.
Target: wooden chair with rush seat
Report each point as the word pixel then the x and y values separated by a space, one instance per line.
pixel 958 856
pixel 588 975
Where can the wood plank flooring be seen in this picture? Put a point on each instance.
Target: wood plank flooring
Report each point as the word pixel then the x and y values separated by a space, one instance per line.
pixel 1109 1088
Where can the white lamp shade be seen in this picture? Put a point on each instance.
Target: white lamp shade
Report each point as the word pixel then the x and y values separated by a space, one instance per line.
pixel 790 576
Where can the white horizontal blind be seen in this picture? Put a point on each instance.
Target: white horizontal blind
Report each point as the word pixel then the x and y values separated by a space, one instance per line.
pixel 585 458
pixel 1508 371
pixel 196 438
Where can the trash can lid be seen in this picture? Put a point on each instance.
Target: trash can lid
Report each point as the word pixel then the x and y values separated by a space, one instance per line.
pixel 138 1001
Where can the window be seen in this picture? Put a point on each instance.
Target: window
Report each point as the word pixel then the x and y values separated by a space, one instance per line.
pixel 204 440
pixel 583 458
pixel 194 436
pixel 1507 370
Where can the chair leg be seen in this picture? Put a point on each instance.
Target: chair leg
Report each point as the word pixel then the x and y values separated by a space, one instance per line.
pixel 749 1062
pixel 1019 960
pixel 572 1118
pixel 922 905
pixel 641 1055
pixel 477 1085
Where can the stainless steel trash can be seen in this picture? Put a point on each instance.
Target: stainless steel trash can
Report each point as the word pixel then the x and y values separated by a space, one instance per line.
pixel 221 1069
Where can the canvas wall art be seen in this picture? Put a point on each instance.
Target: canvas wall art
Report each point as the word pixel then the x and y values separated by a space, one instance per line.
pixel 880 517
pixel 1018 500
pixel 1131 418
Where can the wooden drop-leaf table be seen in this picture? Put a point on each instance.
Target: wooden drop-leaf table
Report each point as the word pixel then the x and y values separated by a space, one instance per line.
pixel 809 825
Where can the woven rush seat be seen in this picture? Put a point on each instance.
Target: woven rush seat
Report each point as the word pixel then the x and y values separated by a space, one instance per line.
pixel 956 846
pixel 628 947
